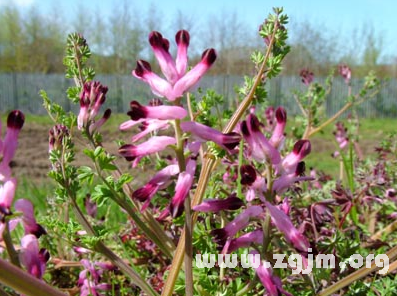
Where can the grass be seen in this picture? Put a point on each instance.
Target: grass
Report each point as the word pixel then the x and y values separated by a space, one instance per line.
pixel 371 130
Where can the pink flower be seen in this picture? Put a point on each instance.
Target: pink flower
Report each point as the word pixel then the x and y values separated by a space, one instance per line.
pixel 29 222
pixel 345 72
pixel 155 112
pixel 260 147
pixel 301 149
pixel 255 182
pixel 160 180
pixel 205 133
pixel 241 221
pixel 286 180
pixel 246 240
pixel 56 135
pixel 217 205
pixel 33 258
pixel 176 81
pixel 153 145
pixel 284 224
pixel 277 138
pixel 264 271
pixel 15 121
pixel 7 193
pixel 182 188
pixel 92 98
pixel 307 76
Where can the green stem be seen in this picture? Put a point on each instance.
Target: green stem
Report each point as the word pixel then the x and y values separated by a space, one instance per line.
pixel 248 287
pixel 188 215
pixel 24 283
pixel 355 276
pixel 208 166
pixel 10 246
pixel 100 247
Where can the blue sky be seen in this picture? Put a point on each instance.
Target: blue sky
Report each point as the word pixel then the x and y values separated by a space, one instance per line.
pixel 336 15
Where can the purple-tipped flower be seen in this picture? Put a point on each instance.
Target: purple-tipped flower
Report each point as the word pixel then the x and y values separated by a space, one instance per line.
pixel 287 180
pixel 177 81
pixel 277 138
pixel 182 40
pixel 260 147
pixel 264 271
pixel 217 205
pixel 238 223
pixel 345 72
pixel 56 135
pixel 95 126
pixel 248 174
pixel 89 278
pixel 155 112
pixel 29 222
pixel 33 258
pixel 205 133
pixel 246 240
pixel 7 193
pixel 160 180
pixel 15 121
pixel 307 76
pixel 284 224
pixel 182 188
pixel 153 145
pixel 301 149
pixel 255 182
pixel 92 98
pixel 341 136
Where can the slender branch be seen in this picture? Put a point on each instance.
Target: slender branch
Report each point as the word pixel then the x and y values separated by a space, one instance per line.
pixel 188 215
pixel 24 283
pixel 10 246
pixel 355 276
pixel 208 166
pixel 330 120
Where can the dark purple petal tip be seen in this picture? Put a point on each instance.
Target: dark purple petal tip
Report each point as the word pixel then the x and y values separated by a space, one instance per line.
pixel 182 37
pixel 142 67
pixel 176 209
pixel 300 169
pixel 302 147
pixel 231 140
pixel 15 119
pixel 156 39
pixel 281 115
pixel 254 123
pixel 38 231
pixel 248 174
pixel 143 193
pixel 244 128
pixel 209 56
pixel 128 152
pixel 107 113
pixel 220 236
pixel 137 111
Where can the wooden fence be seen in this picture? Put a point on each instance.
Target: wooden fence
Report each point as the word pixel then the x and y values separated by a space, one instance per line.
pixel 20 91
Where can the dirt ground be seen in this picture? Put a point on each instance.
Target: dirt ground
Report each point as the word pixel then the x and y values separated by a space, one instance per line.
pixel 31 161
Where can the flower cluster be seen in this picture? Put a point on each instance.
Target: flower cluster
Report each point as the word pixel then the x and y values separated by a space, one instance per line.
pixel 33 258
pixel 92 98
pixel 262 191
pixel 157 117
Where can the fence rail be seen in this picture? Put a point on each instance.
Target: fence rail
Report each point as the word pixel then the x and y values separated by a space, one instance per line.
pixel 20 91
